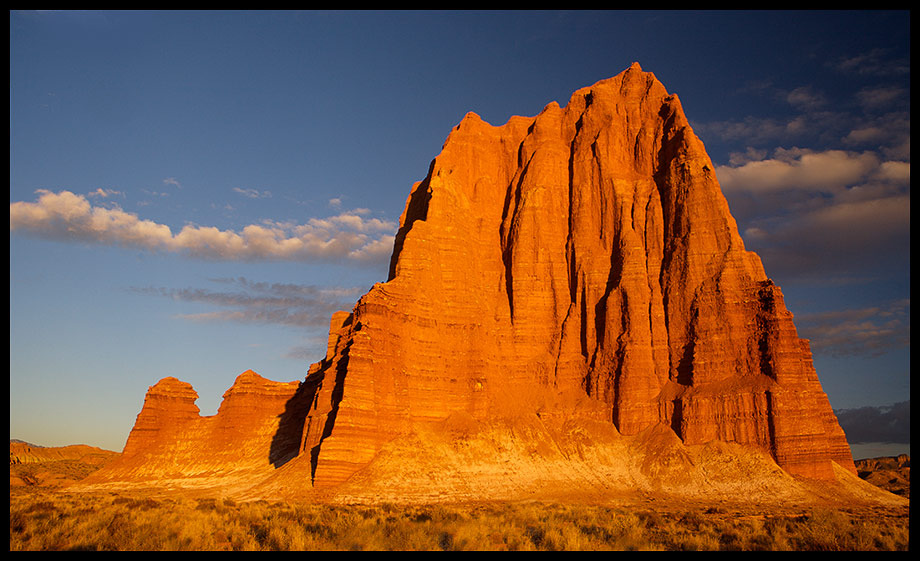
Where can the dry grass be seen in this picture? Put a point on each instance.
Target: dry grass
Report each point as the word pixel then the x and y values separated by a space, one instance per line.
pixel 55 521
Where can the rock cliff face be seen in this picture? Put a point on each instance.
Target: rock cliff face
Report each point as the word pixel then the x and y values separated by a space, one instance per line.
pixel 251 434
pixel 585 251
pixel 580 263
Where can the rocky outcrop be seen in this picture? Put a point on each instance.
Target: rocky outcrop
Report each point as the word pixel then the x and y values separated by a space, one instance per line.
pixel 891 473
pixel 24 453
pixel 577 274
pixel 585 251
pixel 256 429
pixel 54 466
pixel 169 406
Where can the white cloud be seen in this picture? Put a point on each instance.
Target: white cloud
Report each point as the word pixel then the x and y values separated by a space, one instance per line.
pixel 888 133
pixel 894 171
pixel 875 117
pixel 879 97
pixel 875 62
pixel 737 159
pixel 797 169
pixel 866 135
pixel 805 98
pixel 253 193
pixel 752 130
pixel 849 332
pixel 104 193
pixel 354 220
pixel 70 217
pixel 811 213
pixel 263 303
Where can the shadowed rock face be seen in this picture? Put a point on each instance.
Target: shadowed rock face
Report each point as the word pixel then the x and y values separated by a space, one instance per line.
pixel 582 262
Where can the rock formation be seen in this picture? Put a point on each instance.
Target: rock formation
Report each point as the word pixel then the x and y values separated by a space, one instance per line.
pixel 586 250
pixel 41 466
pixel 891 473
pixel 250 435
pixel 582 263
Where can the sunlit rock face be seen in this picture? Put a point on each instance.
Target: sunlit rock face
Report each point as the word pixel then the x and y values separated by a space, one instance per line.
pixel 585 255
pixel 255 430
pixel 579 264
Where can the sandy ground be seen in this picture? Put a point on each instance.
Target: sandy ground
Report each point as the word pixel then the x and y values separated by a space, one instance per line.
pixel 531 460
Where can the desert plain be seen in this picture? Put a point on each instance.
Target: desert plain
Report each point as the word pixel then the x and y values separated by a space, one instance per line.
pixel 48 512
pixel 573 351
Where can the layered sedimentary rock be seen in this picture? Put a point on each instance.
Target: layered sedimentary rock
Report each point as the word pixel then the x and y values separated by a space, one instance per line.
pixel 585 251
pixel 256 429
pixel 42 466
pixel 579 264
pixel 24 453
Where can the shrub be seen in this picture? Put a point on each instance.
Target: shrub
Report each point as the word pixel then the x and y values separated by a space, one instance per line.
pixel 57 521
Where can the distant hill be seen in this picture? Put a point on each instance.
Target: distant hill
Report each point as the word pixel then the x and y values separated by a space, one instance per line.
pixel 890 473
pixel 34 465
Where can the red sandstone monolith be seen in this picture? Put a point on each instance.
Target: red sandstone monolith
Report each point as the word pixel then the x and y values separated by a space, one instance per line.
pixel 586 250
pixel 580 263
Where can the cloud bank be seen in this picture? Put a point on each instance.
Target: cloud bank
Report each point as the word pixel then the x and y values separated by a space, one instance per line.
pixel 838 209
pixel 245 301
pixel 66 216
pixel 876 424
pixel 821 213
pixel 864 331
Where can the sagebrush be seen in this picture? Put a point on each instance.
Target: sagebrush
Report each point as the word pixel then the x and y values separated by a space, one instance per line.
pixel 60 521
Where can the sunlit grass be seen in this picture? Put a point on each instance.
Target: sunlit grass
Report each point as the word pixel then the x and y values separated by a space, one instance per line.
pixel 56 521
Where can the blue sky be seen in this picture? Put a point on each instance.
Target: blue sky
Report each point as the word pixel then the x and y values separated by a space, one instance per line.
pixel 192 194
